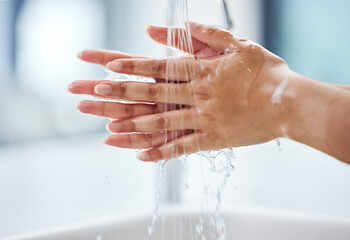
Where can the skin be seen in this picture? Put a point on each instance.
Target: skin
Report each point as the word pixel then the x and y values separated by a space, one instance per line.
pixel 222 98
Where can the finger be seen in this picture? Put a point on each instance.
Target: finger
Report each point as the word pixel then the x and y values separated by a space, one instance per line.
pixel 116 110
pixel 179 40
pixel 87 87
pixel 215 37
pixel 154 92
pixel 141 141
pixel 103 56
pixel 169 69
pixel 180 146
pixel 168 121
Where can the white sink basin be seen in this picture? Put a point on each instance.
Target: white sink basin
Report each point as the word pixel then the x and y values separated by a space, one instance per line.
pixel 180 224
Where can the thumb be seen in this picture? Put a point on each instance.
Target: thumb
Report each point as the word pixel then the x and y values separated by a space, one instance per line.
pixel 215 37
pixel 160 35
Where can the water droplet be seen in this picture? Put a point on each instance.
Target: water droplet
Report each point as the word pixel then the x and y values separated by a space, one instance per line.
pixel 150 229
pixel 279 145
pixel 107 179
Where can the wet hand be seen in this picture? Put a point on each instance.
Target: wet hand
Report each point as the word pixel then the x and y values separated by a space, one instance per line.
pixel 227 98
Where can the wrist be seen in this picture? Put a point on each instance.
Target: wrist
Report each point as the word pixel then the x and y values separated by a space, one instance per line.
pixel 282 99
pixel 306 119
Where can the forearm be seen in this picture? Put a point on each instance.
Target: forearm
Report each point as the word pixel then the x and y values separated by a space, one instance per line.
pixel 320 116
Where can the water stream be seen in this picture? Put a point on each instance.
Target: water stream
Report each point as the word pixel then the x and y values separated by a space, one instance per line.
pixel 220 161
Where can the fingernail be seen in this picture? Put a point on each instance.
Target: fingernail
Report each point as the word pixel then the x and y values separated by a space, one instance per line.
pixel 70 87
pixel 85 106
pixel 115 66
pixel 76 86
pixel 144 156
pixel 115 126
pixel 79 54
pixel 103 89
pixel 83 103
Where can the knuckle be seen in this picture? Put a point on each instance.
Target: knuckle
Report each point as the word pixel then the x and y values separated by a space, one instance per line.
pixel 211 31
pixel 129 110
pixel 103 58
pixel 178 149
pixel 153 91
pixel 129 126
pixel 159 108
pixel 132 66
pixel 148 139
pixel 202 96
pixel 209 117
pixel 156 68
pixel 129 140
pixel 160 122
pixel 201 92
pixel 122 89
pixel 203 71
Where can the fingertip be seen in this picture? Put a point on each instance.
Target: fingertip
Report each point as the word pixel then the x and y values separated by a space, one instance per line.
pixel 144 156
pixel 82 106
pixel 70 87
pixel 115 66
pixel 76 87
pixel 90 55
pixel 103 89
pixel 158 33
pixel 79 55
pixel 108 127
pixel 115 126
pixel 83 54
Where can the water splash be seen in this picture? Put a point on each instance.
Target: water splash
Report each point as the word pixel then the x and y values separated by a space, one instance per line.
pixel 151 226
pixel 221 162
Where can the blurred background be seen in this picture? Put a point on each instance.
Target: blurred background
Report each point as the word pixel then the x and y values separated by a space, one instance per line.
pixel 54 170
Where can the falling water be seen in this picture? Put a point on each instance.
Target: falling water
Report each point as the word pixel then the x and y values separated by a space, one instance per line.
pixel 151 226
pixel 220 161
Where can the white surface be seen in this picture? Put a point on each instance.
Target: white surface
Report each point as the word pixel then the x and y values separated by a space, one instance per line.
pixel 175 223
pixel 60 182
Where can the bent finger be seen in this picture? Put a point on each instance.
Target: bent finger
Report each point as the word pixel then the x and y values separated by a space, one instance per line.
pixel 154 92
pixel 215 37
pixel 180 40
pixel 169 69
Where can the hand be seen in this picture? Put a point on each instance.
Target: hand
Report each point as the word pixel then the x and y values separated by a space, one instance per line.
pixel 228 97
